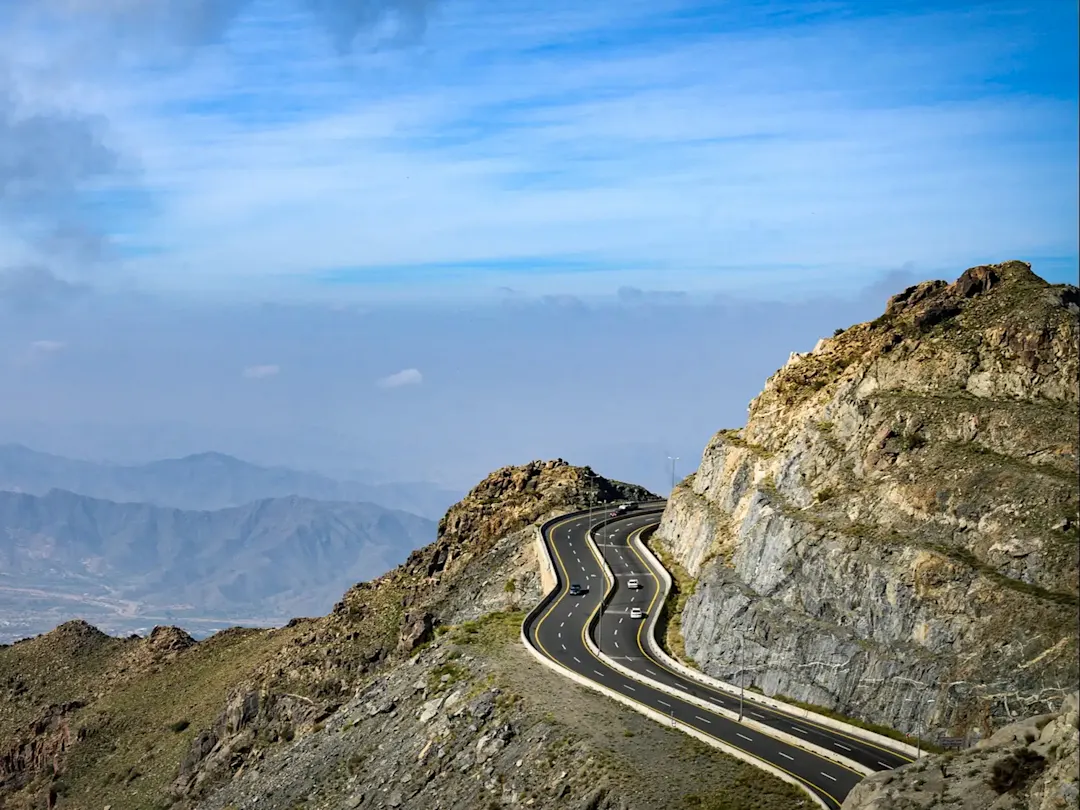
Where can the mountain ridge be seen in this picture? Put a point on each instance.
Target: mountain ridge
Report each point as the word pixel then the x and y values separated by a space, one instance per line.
pixel 271 558
pixel 207 480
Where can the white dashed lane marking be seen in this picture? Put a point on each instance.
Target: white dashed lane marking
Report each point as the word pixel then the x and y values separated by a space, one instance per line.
pixel 748 739
pixel 827 776
pixel 785 756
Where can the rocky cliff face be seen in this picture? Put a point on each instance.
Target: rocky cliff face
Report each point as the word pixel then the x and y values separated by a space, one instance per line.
pixel 893 534
pixel 1029 765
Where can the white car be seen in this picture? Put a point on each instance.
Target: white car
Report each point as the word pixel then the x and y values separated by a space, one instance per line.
pixel 636 613
pixel 633 584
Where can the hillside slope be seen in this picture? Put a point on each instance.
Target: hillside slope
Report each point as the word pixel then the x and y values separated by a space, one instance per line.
pixel 267 560
pixel 413 693
pixel 204 481
pixel 893 534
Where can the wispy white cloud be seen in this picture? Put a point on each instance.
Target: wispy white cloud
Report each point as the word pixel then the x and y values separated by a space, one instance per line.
pixel 48 346
pixel 692 147
pixel 36 353
pixel 260 372
pixel 408 376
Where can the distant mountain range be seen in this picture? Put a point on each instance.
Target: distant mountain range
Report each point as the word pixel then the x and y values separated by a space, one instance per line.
pixel 64 555
pixel 205 481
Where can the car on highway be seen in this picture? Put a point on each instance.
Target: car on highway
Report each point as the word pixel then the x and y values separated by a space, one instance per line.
pixel 576 590
pixel 636 613
pixel 633 584
pixel 622 509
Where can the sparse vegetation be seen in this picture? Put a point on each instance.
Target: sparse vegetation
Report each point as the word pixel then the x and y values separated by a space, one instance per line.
pixel 669 623
pixel 496 628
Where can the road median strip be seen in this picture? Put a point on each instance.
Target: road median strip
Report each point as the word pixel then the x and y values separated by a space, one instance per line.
pixel 719 710
pixel 550 662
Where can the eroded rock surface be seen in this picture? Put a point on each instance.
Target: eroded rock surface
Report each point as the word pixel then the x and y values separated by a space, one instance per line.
pixel 893 534
pixel 1029 765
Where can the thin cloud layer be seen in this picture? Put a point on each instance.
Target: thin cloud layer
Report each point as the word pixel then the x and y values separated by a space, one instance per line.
pixel 656 146
pixel 34 288
pixel 408 376
pixel 260 372
pixel 158 378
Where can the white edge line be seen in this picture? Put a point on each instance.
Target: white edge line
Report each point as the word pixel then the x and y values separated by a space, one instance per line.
pixel 887 743
pixel 655 715
pixel 768 731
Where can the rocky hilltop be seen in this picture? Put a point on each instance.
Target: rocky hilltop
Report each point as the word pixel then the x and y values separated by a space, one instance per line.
pixel 413 693
pixel 894 533
pixel 1029 765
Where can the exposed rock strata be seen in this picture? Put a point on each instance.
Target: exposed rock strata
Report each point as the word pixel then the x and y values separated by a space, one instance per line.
pixel 1029 765
pixel 894 532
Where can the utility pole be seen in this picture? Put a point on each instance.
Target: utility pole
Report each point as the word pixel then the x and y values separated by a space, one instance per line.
pixel 592 504
pixel 919 724
pixel 673 459
pixel 741 680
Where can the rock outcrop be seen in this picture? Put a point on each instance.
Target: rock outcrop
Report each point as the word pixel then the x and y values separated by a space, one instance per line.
pixel 894 533
pixel 1029 765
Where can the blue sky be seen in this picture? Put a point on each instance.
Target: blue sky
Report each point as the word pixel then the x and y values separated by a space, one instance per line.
pixel 430 149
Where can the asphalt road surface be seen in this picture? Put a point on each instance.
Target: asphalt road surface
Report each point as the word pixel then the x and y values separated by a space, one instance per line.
pixel 557 628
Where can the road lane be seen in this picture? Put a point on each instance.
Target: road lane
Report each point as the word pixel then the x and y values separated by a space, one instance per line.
pixel 639 654
pixel 558 630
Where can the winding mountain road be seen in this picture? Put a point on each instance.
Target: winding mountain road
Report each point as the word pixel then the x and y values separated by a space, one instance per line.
pixel 823 760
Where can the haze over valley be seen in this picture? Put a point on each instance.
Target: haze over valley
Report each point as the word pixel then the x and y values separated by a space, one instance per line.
pixel 130 566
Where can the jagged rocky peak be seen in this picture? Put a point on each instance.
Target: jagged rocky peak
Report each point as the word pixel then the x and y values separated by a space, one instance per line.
pixel 169 639
pixel 513 497
pixel 162 645
pixel 507 501
pixel 900 511
pixel 73 636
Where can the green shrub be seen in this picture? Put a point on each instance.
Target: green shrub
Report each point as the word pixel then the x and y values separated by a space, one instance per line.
pixel 824 494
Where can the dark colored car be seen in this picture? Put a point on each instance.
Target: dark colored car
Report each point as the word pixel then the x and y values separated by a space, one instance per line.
pixel 575 589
